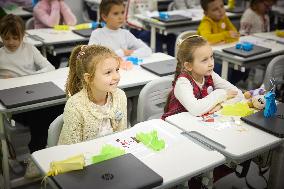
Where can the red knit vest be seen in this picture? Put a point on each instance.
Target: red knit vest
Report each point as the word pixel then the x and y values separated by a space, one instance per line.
pixel 175 106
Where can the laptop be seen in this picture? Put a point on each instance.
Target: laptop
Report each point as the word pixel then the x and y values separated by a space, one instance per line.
pixel 173 18
pixel 273 125
pixel 123 172
pixel 245 54
pixel 84 32
pixel 30 94
pixel 161 68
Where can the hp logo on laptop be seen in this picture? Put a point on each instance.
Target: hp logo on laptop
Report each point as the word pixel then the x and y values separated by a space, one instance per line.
pixel 107 176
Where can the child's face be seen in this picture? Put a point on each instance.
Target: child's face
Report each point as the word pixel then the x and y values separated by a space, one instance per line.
pixel 203 62
pixel 115 17
pixel 263 7
pixel 106 76
pixel 11 42
pixel 215 10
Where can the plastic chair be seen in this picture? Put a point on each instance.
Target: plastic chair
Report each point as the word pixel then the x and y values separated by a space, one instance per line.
pixel 152 99
pixel 30 23
pixel 181 37
pixel 275 69
pixel 54 131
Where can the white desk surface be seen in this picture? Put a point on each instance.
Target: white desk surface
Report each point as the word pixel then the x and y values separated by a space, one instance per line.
pixel 240 141
pixel 19 11
pixel 195 13
pixel 51 36
pixel 270 36
pixel 180 160
pixel 134 77
pixel 275 47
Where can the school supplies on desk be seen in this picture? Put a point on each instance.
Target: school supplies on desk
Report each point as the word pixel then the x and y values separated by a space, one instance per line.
pixel 165 17
pixel 123 172
pixel 246 53
pixel 273 125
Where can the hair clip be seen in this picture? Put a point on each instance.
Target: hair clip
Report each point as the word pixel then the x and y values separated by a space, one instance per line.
pixel 188 37
pixel 82 51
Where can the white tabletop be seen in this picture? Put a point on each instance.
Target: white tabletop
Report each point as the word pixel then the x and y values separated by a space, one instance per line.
pixel 135 77
pixel 19 11
pixel 240 141
pixel 51 36
pixel 180 160
pixel 276 49
pixel 270 36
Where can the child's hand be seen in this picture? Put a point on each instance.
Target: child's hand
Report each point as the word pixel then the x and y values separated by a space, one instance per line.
pixel 231 93
pixel 127 52
pixel 234 34
pixel 215 109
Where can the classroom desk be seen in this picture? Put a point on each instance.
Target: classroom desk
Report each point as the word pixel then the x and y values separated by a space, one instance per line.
pixel 270 36
pixel 19 11
pixel 242 63
pixel 176 27
pixel 132 81
pixel 57 41
pixel 180 160
pixel 236 142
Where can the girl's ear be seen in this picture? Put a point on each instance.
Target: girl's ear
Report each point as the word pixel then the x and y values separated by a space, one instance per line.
pixel 103 17
pixel 187 66
pixel 87 77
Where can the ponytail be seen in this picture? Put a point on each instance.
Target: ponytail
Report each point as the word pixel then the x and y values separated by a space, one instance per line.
pixel 74 83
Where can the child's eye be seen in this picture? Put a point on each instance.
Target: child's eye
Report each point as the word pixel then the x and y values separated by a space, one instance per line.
pixel 117 69
pixel 108 72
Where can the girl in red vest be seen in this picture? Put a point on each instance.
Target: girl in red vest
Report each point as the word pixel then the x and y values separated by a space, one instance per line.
pixel 196 88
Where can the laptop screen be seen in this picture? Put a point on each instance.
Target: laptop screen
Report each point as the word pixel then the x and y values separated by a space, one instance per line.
pixel 123 172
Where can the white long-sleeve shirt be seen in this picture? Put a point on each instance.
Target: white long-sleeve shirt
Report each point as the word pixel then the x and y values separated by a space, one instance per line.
pixel 184 93
pixel 251 22
pixel 119 40
pixel 26 60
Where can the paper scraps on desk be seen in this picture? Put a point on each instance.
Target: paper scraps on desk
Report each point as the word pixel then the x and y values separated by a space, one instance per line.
pixel 108 152
pixel 237 109
pixel 70 164
pixel 151 140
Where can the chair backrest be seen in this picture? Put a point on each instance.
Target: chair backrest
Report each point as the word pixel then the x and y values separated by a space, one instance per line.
pixel 182 36
pixel 30 23
pixel 54 131
pixel 152 99
pixel 275 69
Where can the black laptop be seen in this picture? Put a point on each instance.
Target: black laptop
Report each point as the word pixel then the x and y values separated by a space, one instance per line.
pixel 173 18
pixel 161 68
pixel 239 52
pixel 123 172
pixel 30 94
pixel 84 32
pixel 273 125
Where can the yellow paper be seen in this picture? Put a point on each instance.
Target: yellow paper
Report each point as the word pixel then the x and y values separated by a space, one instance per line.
pixel 237 109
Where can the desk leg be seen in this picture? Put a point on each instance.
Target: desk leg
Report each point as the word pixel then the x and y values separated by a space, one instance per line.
pixel 276 180
pixel 5 164
pixel 225 68
pixel 153 39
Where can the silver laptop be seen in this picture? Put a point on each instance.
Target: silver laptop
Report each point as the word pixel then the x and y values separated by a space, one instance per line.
pixel 84 32
pixel 123 172
pixel 161 68
pixel 30 94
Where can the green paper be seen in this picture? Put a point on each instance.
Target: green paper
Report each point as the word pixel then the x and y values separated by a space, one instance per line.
pixel 108 152
pixel 151 140
pixel 237 109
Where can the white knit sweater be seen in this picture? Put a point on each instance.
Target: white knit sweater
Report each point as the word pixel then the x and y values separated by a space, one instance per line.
pixel 82 121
